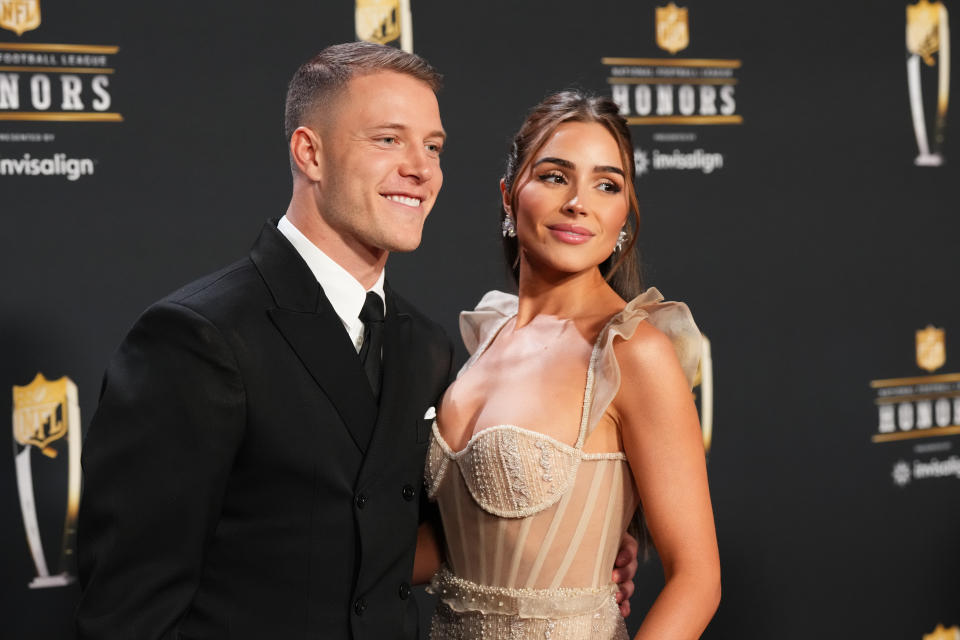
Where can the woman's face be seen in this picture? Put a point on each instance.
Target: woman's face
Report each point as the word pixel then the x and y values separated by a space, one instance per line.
pixel 572 202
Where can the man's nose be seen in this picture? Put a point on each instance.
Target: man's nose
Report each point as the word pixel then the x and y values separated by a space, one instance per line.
pixel 418 164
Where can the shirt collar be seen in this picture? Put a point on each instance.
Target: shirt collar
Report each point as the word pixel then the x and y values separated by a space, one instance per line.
pixel 345 293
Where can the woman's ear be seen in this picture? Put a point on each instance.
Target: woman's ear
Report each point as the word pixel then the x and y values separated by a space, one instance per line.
pixel 505 196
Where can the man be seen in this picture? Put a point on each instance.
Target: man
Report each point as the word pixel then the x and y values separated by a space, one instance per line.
pixel 254 467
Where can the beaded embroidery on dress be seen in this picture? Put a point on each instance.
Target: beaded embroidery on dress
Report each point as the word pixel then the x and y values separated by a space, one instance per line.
pixel 533 524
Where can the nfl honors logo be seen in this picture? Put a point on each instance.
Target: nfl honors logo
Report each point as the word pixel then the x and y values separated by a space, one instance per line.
pixel 19 15
pixel 673 31
pixel 922 406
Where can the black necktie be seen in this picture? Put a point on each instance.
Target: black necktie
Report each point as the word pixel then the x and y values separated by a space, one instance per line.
pixel 372 317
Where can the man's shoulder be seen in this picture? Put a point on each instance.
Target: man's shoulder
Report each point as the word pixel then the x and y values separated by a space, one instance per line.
pixel 234 282
pixel 424 322
pixel 222 298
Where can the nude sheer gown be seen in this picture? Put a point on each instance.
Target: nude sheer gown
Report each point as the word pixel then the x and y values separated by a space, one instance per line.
pixel 533 524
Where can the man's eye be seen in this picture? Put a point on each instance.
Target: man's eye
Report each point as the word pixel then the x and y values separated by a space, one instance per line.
pixel 435 148
pixel 388 139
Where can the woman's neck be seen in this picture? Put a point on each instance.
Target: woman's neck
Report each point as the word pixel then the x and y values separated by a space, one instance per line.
pixel 584 294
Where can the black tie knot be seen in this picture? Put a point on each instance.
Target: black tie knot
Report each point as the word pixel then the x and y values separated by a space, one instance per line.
pixel 372 310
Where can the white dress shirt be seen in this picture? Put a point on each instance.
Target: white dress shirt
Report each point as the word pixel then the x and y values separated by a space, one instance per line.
pixel 346 295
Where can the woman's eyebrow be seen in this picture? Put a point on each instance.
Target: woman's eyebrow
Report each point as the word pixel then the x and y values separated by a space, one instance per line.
pixel 569 165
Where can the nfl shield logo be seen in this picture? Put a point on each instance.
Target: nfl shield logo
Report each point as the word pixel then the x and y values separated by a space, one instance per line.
pixel 19 15
pixel 41 413
pixel 923 29
pixel 941 633
pixel 378 20
pixel 931 348
pixel 673 32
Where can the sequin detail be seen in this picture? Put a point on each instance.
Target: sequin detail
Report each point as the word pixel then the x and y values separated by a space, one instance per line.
pixel 499 466
pixel 480 612
pixel 546 462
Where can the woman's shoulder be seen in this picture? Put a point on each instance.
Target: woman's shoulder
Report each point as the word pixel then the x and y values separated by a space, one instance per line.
pixel 477 325
pixel 655 333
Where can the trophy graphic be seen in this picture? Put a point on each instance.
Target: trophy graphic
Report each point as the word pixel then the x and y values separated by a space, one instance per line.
pixel 704 380
pixel 384 21
pixel 928 33
pixel 46 423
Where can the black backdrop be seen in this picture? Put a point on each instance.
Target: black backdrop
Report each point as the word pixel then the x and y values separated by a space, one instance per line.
pixel 809 258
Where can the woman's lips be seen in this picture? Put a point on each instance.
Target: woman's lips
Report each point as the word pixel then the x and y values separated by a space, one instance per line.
pixel 571 234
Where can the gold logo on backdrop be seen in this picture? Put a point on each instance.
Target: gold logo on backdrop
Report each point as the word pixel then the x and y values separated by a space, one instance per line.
pixel 40 413
pixel 924 406
pixel 923 29
pixel 940 633
pixel 931 348
pixel 378 20
pixel 673 31
pixel 704 380
pixel 928 33
pixel 384 21
pixel 44 413
pixel 19 15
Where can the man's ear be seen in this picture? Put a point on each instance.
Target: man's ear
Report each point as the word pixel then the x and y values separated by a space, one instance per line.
pixel 305 152
pixel 505 197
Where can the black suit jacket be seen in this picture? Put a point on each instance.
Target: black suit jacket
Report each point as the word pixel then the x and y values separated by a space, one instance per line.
pixel 240 481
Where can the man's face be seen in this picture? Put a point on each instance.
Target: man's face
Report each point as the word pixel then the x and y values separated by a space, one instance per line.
pixel 381 161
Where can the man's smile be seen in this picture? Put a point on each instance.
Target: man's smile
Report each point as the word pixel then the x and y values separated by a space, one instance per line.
pixel 410 201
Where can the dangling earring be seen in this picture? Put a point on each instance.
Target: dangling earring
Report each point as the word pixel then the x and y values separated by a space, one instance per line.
pixel 507 227
pixel 621 239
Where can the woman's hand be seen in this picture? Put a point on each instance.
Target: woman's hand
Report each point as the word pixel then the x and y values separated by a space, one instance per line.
pixel 624 569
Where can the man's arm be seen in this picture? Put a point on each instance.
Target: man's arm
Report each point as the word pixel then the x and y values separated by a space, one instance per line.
pixel 156 462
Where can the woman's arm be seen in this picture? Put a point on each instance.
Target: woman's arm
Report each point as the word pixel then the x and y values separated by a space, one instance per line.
pixel 662 440
pixel 427 559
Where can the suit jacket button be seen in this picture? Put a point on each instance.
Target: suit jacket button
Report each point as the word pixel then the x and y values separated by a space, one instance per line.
pixel 404 591
pixel 361 502
pixel 359 606
pixel 409 493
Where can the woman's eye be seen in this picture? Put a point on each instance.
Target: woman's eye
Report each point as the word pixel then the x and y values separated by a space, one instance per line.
pixel 553 177
pixel 610 187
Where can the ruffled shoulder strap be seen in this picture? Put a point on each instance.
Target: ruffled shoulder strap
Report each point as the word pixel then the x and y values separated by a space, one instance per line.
pixel 672 318
pixel 478 327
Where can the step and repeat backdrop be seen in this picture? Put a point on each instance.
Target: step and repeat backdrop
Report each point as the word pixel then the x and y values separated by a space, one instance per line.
pixel 799 183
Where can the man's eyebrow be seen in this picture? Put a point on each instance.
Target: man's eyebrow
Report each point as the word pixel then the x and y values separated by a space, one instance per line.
pixel 569 165
pixel 439 133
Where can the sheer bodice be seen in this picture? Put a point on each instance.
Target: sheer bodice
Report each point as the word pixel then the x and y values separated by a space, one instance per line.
pixel 533 524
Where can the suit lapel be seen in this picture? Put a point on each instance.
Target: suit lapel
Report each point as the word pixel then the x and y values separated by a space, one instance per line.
pixel 333 363
pixel 311 327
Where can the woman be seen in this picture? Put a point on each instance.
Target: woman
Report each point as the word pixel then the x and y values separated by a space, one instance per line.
pixel 573 410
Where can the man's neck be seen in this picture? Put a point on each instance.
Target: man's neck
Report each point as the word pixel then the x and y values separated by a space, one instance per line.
pixel 361 262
